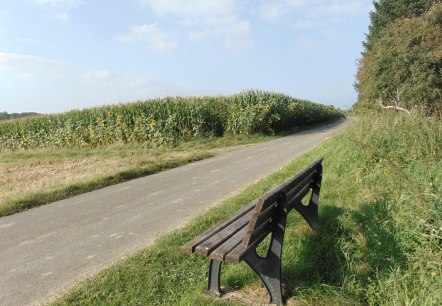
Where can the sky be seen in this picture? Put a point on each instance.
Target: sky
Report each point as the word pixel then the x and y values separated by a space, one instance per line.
pixel 59 55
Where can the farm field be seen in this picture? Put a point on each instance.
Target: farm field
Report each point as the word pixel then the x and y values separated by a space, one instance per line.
pixel 48 158
pixel 379 242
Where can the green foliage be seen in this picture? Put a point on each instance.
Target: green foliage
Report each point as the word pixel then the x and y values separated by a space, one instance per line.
pixel 388 11
pixel 403 58
pixel 165 121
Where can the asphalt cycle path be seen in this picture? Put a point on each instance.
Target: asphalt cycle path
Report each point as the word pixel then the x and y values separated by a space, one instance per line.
pixel 47 250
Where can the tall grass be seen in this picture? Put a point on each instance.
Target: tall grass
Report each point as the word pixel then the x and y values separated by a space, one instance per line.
pixel 399 161
pixel 379 240
pixel 164 121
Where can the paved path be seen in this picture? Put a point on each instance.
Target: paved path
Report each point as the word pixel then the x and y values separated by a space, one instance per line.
pixel 46 250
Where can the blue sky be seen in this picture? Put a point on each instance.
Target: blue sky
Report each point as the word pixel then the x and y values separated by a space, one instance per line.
pixel 57 55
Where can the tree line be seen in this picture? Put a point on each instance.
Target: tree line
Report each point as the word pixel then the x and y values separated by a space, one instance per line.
pixel 6 116
pixel 401 65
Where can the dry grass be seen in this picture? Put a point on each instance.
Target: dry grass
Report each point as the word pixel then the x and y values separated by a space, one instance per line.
pixel 27 175
pixel 35 177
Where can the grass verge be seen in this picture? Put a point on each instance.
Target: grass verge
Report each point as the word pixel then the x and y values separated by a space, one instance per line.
pixel 379 242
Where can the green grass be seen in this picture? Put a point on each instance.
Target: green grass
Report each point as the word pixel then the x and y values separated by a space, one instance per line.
pixel 379 242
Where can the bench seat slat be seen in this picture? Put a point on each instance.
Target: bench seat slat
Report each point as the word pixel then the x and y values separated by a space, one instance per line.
pixel 190 247
pixel 206 247
pixel 221 252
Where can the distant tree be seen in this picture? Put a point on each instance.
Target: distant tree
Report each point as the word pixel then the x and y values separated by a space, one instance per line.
pixel 402 63
pixel 6 116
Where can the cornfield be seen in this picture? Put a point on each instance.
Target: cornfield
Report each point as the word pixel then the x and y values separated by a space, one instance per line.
pixel 164 121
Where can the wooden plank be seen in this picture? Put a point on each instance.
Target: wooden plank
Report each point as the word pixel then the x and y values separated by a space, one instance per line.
pixel 206 247
pixel 221 252
pixel 189 247
pixel 300 186
pixel 273 195
pixel 254 233
pixel 300 179
pixel 259 217
pixel 297 199
pixel 236 255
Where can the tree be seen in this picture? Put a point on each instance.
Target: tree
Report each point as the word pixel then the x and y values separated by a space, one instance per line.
pixel 402 62
pixel 387 11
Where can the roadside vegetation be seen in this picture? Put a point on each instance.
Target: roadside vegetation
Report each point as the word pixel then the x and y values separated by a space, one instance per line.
pixel 49 158
pixel 379 241
pixel 167 121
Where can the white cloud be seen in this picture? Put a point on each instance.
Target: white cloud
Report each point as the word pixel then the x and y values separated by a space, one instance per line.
pixel 156 38
pixel 340 9
pixel 62 16
pixel 98 76
pixel 273 10
pixel 69 3
pixel 193 8
pixel 26 40
pixel 306 24
pixel 60 8
pixel 29 63
pixel 235 35
pixel 208 19
pixel 315 9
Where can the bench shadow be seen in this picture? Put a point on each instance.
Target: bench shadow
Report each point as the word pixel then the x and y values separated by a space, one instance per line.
pixel 349 244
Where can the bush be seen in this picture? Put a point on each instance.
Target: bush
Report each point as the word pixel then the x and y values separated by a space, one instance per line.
pixel 405 58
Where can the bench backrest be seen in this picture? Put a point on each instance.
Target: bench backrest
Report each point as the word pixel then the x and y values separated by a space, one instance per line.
pixel 282 199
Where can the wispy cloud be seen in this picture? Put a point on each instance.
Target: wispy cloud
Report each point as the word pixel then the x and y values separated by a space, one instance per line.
pixel 208 19
pixel 29 63
pixel 235 35
pixel 339 9
pixel 69 3
pixel 193 8
pixel 275 9
pixel 331 9
pixel 26 40
pixel 98 76
pixel 156 38
pixel 62 16
pixel 60 8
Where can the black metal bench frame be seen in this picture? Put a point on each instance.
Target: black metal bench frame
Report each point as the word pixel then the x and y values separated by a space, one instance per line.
pixel 238 237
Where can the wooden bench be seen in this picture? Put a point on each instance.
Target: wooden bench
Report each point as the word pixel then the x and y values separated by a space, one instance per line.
pixel 237 238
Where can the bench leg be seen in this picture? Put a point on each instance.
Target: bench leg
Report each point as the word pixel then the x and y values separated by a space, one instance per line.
pixel 269 268
pixel 214 285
